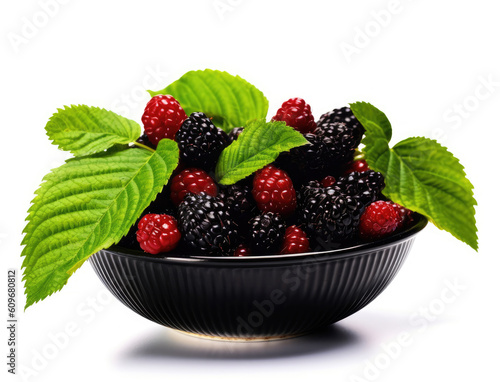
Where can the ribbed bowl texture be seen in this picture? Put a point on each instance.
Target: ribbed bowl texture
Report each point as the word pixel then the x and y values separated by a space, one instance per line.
pixel 254 297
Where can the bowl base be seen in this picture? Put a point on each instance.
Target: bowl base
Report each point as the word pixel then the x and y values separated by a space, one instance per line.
pixel 241 339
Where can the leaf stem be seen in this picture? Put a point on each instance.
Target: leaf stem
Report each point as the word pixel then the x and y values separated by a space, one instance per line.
pixel 359 154
pixel 144 146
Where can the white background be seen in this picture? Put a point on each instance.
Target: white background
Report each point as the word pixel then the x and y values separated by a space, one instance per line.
pixel 421 62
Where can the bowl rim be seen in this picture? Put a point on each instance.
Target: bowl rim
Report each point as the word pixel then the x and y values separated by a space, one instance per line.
pixel 419 223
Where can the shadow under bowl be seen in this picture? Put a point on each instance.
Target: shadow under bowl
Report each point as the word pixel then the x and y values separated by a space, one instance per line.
pixel 254 297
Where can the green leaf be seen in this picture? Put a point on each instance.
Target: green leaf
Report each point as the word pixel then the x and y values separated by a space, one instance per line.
pixel 421 175
pixel 259 144
pixel 229 100
pixel 85 130
pixel 373 119
pixel 86 205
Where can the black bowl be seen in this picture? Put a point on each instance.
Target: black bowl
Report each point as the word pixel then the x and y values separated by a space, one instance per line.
pixel 254 297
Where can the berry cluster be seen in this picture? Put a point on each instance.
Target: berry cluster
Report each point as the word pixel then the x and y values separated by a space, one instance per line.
pixel 314 197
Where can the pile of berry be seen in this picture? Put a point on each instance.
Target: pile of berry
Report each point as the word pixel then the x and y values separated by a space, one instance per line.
pixel 314 197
